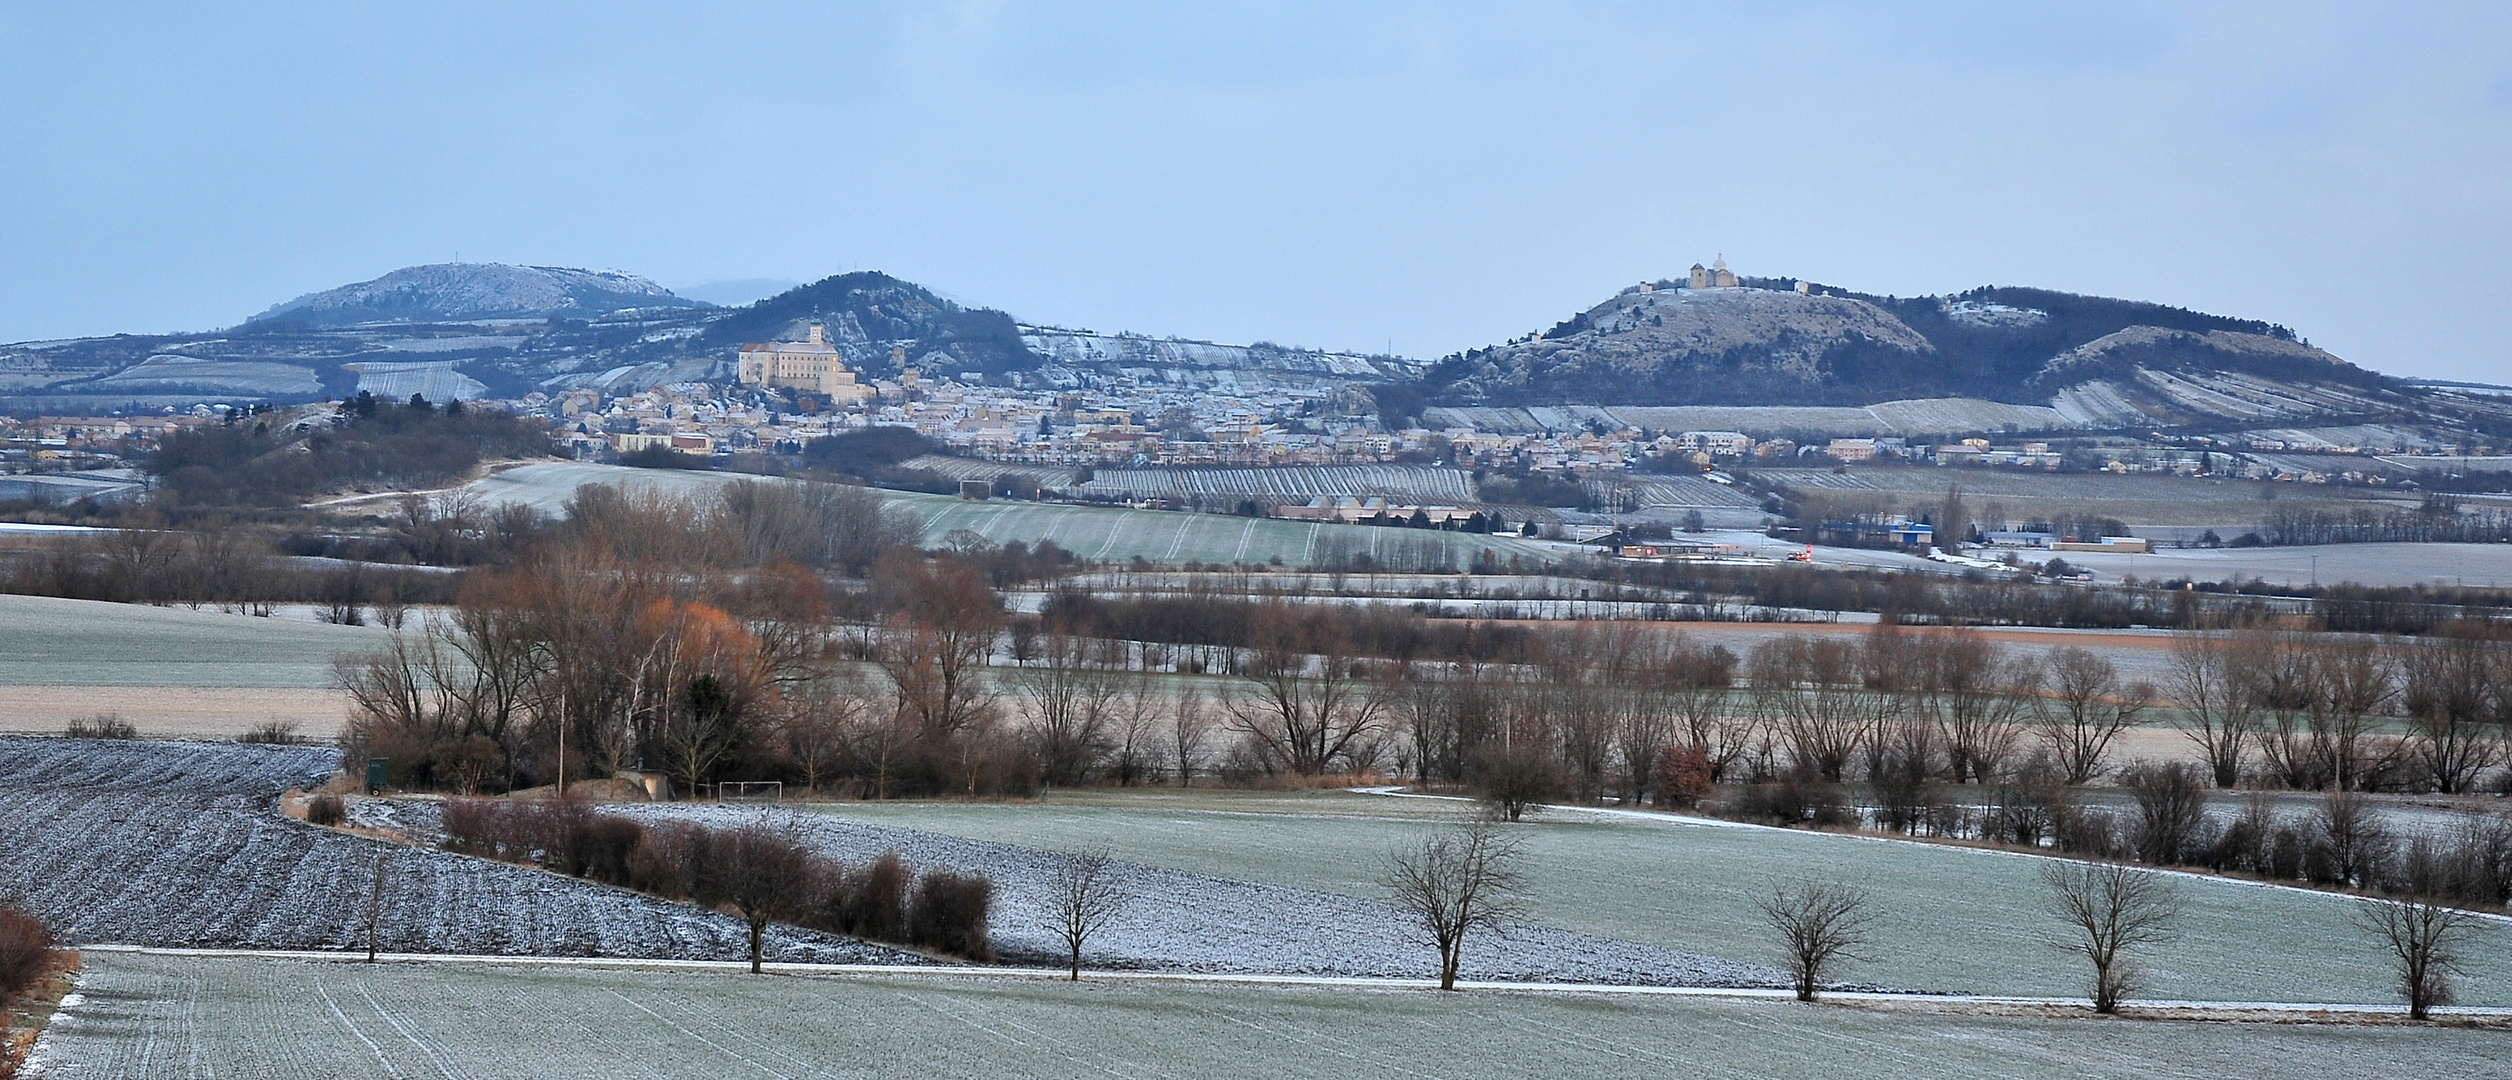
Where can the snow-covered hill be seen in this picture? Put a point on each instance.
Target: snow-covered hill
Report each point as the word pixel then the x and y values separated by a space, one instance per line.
pixel 1182 362
pixel 465 292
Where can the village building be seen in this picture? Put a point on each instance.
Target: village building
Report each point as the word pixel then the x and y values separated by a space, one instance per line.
pixel 1714 276
pixel 811 365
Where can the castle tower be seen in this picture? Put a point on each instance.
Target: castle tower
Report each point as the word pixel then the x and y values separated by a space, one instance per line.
pixel 818 335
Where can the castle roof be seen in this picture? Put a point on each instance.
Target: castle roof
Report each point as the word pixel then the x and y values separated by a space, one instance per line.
pixel 809 347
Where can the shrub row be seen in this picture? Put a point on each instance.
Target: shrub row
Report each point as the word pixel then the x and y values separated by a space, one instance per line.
pixel 881 900
pixel 2342 843
pixel 25 951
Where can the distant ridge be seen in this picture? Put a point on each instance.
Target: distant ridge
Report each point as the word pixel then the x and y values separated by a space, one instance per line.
pixel 466 292
pixel 1781 342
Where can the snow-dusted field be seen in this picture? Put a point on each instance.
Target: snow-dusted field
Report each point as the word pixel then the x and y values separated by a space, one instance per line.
pixel 1953 919
pixel 51 642
pixel 177 844
pixel 2370 564
pixel 2228 506
pixel 171 1016
pixel 1185 921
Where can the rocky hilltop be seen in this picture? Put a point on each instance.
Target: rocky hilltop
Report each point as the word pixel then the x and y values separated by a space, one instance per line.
pixel 2095 361
pixel 1677 346
pixel 466 292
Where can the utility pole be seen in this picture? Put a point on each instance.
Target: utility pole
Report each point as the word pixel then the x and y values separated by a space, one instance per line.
pixel 375 906
pixel 562 738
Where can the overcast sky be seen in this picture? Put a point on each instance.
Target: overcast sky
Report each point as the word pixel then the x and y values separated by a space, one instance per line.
pixel 1436 175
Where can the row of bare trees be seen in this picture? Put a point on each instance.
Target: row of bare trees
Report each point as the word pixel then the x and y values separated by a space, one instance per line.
pixel 1605 707
pixel 1466 881
pixel 2346 712
pixel 1600 708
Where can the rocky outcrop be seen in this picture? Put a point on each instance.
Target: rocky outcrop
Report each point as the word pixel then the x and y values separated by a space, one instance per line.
pixel 1696 346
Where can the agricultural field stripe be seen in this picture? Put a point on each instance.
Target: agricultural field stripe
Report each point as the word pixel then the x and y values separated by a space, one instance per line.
pixel 1170 555
pixel 1246 533
pixel 1057 974
pixel 404 1031
pixel 352 1025
pixel 683 1029
pixel 1116 528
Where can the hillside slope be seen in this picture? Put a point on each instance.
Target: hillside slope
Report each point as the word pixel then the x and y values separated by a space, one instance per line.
pixel 464 292
pixel 2097 362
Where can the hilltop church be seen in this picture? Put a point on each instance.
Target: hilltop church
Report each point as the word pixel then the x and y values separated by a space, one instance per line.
pixel 813 365
pixel 1714 276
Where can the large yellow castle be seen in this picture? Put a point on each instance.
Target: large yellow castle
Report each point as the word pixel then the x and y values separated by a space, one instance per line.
pixel 813 365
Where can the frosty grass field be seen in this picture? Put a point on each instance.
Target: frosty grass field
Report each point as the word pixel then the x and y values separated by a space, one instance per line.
pixel 176 845
pixel 1108 534
pixel 185 1016
pixel 1953 919
pixel 50 642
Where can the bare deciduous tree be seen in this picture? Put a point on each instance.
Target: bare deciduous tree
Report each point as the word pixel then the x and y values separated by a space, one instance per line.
pixel 1977 695
pixel 2110 909
pixel 1453 883
pixel 2450 692
pixel 1302 715
pixel 1074 696
pixel 1819 924
pixel 2423 936
pixel 767 877
pixel 2216 700
pixel 1190 727
pixel 1813 694
pixel 2422 930
pixel 1087 897
pixel 2086 709
pixel 2171 810
pixel 936 648
pixel 818 720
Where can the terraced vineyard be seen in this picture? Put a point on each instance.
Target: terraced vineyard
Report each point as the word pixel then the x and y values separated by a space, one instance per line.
pixel 1104 534
pixel 1290 483
pixel 1686 492
pixel 2136 500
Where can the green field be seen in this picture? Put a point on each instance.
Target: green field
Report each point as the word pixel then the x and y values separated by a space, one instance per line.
pixel 1954 919
pixel 1097 533
pixel 50 642
pixel 192 1016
